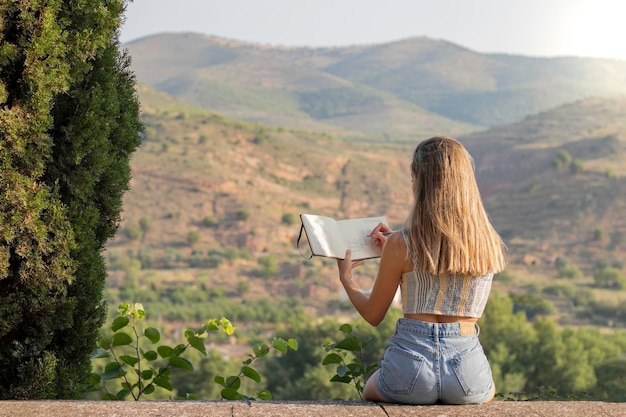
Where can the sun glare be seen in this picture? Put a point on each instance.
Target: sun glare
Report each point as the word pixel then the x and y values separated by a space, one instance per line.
pixel 596 29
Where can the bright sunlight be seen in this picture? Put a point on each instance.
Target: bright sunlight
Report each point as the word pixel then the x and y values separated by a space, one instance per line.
pixel 595 29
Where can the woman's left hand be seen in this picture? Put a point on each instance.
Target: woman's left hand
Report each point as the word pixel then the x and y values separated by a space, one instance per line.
pixel 346 265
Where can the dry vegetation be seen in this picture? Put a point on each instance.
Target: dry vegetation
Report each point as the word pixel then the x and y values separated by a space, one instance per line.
pixel 213 203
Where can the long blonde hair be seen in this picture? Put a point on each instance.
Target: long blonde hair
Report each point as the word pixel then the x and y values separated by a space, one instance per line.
pixel 448 229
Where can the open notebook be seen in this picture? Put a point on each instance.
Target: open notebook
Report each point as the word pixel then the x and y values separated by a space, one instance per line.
pixel 331 238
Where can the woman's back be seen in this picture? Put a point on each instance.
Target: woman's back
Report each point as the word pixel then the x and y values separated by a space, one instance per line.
pixel 448 295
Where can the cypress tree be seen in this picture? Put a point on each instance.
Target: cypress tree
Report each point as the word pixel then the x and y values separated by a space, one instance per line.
pixel 68 127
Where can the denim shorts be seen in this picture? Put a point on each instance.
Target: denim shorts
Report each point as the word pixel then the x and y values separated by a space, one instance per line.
pixel 429 363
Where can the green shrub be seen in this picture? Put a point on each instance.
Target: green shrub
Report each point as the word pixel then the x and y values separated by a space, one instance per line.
pixel 243 287
pixel 598 234
pixel 531 305
pixel 142 367
pixel 576 166
pixel 348 356
pixel 288 219
pixel 562 158
pixel 145 223
pixel 242 215
pixel 570 271
pixel 269 266
pixel 504 276
pixel 209 221
pixel 133 233
pixel 609 277
pixel 193 237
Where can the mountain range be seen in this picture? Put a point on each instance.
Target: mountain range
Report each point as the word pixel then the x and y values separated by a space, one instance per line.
pixel 391 91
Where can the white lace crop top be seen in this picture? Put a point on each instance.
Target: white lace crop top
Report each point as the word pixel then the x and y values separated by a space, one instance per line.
pixel 451 295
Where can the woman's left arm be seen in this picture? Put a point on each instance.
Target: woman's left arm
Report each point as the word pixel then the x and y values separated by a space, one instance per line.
pixel 393 262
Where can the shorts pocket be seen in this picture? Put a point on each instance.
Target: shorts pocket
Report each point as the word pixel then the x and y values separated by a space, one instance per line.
pixel 399 370
pixel 473 371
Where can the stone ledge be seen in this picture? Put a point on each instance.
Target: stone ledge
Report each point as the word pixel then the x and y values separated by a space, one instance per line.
pixel 302 409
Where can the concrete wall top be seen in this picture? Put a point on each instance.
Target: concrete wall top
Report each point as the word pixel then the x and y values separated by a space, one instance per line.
pixel 302 409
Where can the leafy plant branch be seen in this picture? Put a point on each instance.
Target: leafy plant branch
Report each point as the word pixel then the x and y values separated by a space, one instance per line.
pixel 232 384
pixel 349 355
pixel 142 364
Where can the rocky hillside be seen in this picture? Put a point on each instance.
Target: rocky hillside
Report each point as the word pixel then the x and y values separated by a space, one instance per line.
pixel 215 200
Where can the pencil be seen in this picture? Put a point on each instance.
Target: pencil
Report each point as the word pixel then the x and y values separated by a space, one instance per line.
pixel 383 233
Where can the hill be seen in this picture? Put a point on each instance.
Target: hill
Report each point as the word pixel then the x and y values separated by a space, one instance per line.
pixel 417 86
pixel 213 198
pixel 556 180
pixel 214 201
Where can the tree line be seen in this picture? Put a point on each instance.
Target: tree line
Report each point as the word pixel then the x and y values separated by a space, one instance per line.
pixel 530 360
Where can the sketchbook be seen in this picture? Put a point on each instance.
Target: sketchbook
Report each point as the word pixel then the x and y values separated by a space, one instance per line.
pixel 331 238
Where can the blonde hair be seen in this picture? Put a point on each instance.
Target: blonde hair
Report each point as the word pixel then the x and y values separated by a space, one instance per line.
pixel 448 229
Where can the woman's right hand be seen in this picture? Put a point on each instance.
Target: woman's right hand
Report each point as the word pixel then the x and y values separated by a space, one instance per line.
pixel 377 235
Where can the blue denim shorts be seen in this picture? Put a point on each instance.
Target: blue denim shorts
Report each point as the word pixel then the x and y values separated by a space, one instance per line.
pixel 429 363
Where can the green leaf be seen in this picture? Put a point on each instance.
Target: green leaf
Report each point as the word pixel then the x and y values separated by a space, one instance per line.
pixel 109 397
pixel 346 328
pixel 350 343
pixel 147 374
pixel 152 334
pixel 371 367
pixel 251 373
pixel 112 371
pixel 260 350
pixel 122 394
pixel 105 343
pixel 181 363
pixel 131 360
pixel 344 379
pixel 94 378
pixel 165 351
pixel 280 345
pixel 355 368
pixel 342 370
pixel 163 382
pixel 197 344
pixel 178 350
pixel 120 339
pixel 100 353
pixel 122 309
pixel 220 380
pixel 264 395
pixel 138 311
pixel 233 382
pixel 119 323
pixel 149 389
pixel 150 355
pixel 293 344
pixel 231 394
pixel 212 325
pixel 332 358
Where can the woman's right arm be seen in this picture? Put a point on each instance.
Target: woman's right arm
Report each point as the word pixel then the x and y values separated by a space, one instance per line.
pixel 392 265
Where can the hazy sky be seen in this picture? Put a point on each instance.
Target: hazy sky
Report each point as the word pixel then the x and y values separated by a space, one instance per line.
pixel 528 27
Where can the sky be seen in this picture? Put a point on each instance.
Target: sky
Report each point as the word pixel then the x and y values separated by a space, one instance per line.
pixel 546 28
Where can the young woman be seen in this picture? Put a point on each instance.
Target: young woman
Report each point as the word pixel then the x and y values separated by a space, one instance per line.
pixel 444 261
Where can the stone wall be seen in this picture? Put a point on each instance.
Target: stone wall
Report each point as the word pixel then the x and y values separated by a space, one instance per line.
pixel 302 409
